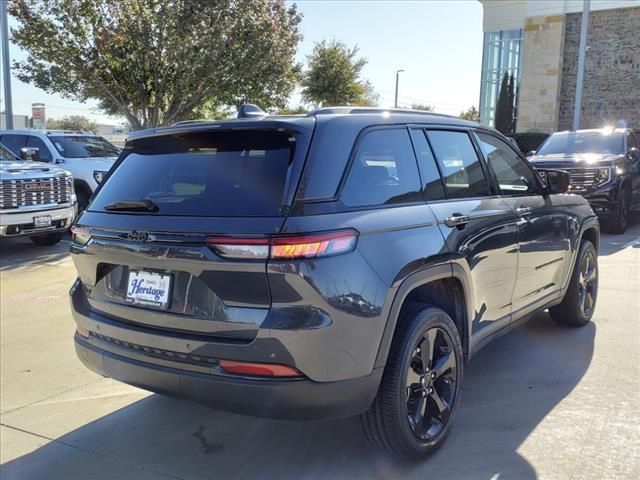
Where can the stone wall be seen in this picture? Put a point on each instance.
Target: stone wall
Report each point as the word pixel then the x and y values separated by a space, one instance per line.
pixel 543 39
pixel 612 69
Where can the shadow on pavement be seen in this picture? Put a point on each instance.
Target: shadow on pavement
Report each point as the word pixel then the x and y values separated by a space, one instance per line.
pixel 610 244
pixel 21 252
pixel 509 388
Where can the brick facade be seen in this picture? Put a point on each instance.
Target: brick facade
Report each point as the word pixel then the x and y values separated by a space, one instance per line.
pixel 612 69
pixel 543 39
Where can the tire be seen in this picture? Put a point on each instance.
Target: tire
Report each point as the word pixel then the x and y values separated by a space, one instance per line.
pixel 47 239
pixel 618 224
pixel 579 302
pixel 83 200
pixel 406 386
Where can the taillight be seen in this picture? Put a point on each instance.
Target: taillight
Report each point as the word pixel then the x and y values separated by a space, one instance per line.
pixel 258 369
pixel 285 248
pixel 80 235
pixel 313 246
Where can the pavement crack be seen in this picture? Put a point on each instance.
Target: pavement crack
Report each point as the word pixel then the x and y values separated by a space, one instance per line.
pixel 92 452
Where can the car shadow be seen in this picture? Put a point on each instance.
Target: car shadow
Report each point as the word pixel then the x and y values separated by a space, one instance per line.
pixel 509 388
pixel 22 252
pixel 610 243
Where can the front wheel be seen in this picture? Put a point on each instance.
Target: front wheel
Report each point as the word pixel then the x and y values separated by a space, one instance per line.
pixel 618 224
pixel 579 302
pixel 420 389
pixel 47 239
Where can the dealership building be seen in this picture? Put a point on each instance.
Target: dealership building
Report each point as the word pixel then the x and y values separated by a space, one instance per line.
pixel 537 42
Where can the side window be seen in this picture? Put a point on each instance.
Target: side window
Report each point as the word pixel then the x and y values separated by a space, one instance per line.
pixel 632 141
pixel 431 181
pixel 13 142
pixel 35 142
pixel 512 173
pixel 459 164
pixel 383 172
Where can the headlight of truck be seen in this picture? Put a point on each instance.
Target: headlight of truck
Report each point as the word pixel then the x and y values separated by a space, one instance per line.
pixel 603 175
pixel 99 175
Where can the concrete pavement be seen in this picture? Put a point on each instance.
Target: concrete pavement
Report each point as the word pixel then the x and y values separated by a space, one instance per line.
pixel 541 402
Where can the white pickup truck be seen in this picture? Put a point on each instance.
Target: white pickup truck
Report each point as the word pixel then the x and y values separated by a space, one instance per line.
pixel 36 199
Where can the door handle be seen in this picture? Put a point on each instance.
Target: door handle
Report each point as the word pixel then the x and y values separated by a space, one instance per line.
pixel 524 211
pixel 457 220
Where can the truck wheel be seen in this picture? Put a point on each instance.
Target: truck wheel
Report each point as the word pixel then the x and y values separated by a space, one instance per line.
pixel 83 200
pixel 47 239
pixel 579 302
pixel 618 224
pixel 420 389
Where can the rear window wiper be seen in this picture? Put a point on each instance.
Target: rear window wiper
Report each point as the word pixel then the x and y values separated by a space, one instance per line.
pixel 132 206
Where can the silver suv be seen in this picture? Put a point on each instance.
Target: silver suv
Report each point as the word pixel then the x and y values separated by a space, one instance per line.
pixel 87 156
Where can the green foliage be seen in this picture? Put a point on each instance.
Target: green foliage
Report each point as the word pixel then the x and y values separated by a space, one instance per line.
pixel 333 77
pixel 471 114
pixel 299 110
pixel 505 106
pixel 73 122
pixel 155 61
pixel 422 106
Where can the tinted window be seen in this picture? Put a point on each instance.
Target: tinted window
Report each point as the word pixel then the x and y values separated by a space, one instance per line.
pixel 234 173
pixel 513 175
pixel 83 146
pixel 459 164
pixel 6 155
pixel 14 142
pixel 35 142
pixel 383 171
pixel 583 142
pixel 632 141
pixel 432 183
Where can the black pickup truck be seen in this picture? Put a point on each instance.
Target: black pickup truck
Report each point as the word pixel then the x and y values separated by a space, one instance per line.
pixel 604 166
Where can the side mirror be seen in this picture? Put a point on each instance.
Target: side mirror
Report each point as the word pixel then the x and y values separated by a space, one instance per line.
pixel 531 153
pixel 30 153
pixel 633 154
pixel 557 181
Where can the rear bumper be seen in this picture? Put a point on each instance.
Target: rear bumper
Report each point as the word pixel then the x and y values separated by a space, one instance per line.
pixel 17 223
pixel 295 399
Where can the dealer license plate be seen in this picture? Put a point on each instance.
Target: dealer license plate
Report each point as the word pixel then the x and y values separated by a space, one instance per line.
pixel 148 288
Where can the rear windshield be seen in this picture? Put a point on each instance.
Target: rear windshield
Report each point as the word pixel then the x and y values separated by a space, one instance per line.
pixel 83 146
pixel 582 142
pixel 229 173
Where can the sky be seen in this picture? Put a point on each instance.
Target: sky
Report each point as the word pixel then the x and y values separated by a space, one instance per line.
pixel 438 44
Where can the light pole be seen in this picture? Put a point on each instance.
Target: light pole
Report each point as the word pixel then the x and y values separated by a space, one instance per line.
pixel 577 112
pixel 397 78
pixel 8 105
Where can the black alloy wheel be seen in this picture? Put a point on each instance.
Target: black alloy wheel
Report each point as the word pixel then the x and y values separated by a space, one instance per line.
pixel 588 284
pixel 431 384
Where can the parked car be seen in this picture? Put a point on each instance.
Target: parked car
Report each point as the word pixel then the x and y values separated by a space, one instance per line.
pixel 36 199
pixel 87 156
pixel 604 166
pixel 347 262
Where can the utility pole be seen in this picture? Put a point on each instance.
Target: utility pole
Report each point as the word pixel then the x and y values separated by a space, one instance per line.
pixel 8 104
pixel 581 54
pixel 397 78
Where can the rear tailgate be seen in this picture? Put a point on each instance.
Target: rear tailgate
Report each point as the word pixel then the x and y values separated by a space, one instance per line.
pixel 231 183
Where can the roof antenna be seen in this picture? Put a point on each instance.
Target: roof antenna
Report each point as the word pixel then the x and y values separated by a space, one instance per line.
pixel 249 110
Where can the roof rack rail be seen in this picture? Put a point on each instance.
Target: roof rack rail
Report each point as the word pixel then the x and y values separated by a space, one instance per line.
pixel 370 110
pixel 191 122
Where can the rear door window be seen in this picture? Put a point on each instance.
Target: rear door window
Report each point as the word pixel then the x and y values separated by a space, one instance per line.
pixel 431 181
pixel 461 169
pixel 13 142
pixel 383 171
pixel 231 173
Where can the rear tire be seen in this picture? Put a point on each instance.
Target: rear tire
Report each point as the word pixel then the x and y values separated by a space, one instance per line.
pixel 618 224
pixel 579 302
pixel 420 389
pixel 48 239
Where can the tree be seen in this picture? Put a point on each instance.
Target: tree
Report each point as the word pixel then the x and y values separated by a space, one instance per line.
pixel 156 61
pixel 73 122
pixel 332 76
pixel 504 119
pixel 422 106
pixel 471 114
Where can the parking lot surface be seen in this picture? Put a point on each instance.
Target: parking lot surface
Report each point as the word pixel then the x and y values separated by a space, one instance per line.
pixel 541 402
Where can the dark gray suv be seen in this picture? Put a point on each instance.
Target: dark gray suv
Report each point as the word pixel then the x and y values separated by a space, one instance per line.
pixel 346 262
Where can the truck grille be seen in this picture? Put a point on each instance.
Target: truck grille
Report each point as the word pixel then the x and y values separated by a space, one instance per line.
pixel 32 192
pixel 582 178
